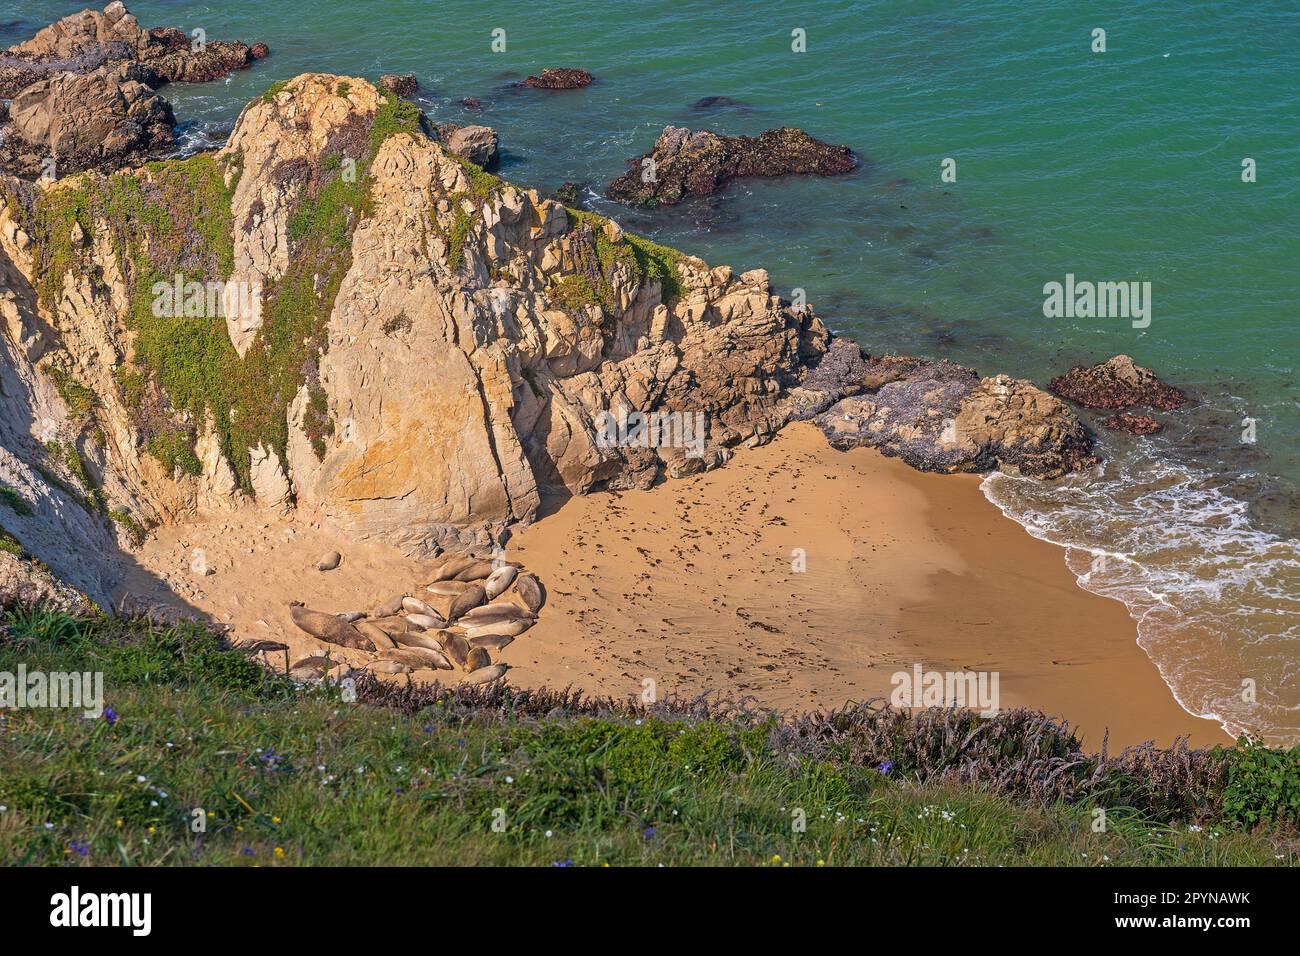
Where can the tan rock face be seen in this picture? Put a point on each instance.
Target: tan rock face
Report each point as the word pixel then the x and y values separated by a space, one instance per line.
pixel 483 347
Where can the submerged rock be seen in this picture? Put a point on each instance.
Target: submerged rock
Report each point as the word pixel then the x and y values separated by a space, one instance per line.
pixel 1135 424
pixel 1117 382
pixel 685 163
pixel 937 416
pixel 565 78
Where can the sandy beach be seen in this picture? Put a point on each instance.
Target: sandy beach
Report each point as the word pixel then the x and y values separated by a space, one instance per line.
pixel 693 585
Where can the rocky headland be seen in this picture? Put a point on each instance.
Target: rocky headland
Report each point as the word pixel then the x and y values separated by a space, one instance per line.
pixel 431 354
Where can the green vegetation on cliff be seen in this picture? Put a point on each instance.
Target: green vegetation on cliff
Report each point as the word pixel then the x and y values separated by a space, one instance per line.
pixel 172 225
pixel 289 775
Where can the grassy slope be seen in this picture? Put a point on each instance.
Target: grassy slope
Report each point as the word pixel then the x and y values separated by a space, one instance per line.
pixel 289 775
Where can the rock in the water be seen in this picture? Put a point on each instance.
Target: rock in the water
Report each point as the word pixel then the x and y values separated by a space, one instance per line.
pixel 329 628
pixel 403 84
pixel 530 591
pixel 564 78
pixel 329 561
pixel 1117 382
pixel 938 416
pixel 1135 424
pixel 687 163
pixel 472 103
pixel 478 144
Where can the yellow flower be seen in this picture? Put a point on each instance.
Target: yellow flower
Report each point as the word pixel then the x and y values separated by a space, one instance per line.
pixel 275 819
pixel 153 829
pixel 279 852
pixel 776 858
pixel 821 862
pixel 119 821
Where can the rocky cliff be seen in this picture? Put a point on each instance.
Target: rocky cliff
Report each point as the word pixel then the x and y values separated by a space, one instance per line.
pixel 334 315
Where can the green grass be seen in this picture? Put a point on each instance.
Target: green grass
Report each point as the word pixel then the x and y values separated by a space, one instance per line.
pixel 12 499
pixel 79 399
pixel 134 528
pixel 65 454
pixel 288 775
pixel 175 219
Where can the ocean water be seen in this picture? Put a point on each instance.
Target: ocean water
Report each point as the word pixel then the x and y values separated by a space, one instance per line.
pixel 1117 166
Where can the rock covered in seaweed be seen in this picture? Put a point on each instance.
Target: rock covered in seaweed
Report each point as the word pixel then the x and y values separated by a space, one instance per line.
pixel 1118 382
pixel 563 78
pixel 937 416
pixel 685 163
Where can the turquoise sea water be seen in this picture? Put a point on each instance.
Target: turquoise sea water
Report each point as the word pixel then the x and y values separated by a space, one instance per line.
pixel 1114 166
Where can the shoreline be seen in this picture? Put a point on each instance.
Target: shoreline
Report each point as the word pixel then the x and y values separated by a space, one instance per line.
pixel 691 585
pixel 903 567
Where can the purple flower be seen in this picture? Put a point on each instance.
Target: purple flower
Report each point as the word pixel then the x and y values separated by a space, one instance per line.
pixel 110 715
pixel 562 863
pixel 886 766
pixel 649 832
pixel 79 847
pixel 248 851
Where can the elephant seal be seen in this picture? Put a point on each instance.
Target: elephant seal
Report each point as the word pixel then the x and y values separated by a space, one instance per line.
pixel 376 635
pixel 491 613
pixel 393 626
pixel 414 638
pixel 448 588
pixel 311 668
pixel 492 641
pixel 466 602
pixel 390 607
pixel 453 566
pixel 499 580
pixel 457 647
pixel 486 675
pixel 428 622
pixel 352 616
pixel 419 657
pixel 329 628
pixel 388 667
pixel 413 605
pixel 478 658
pixel 476 571
pixel 530 591
pixel 499 628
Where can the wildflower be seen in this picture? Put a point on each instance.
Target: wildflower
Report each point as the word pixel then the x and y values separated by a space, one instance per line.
pixel 776 858
pixel 562 863
pixel 550 833
pixel 249 851
pixel 279 853
pixel 111 716
pixel 649 832
pixel 79 847
pixel 886 766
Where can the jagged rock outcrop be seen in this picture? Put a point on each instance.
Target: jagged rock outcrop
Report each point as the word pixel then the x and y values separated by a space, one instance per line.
pixel 403 84
pixel 479 144
pixel 1118 382
pixel 71 122
pixel 87 41
pixel 562 78
pixel 937 416
pixel 685 163
pixel 404 346
pixel 82 91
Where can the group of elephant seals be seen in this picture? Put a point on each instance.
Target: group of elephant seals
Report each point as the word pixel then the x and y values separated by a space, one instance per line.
pixel 459 625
